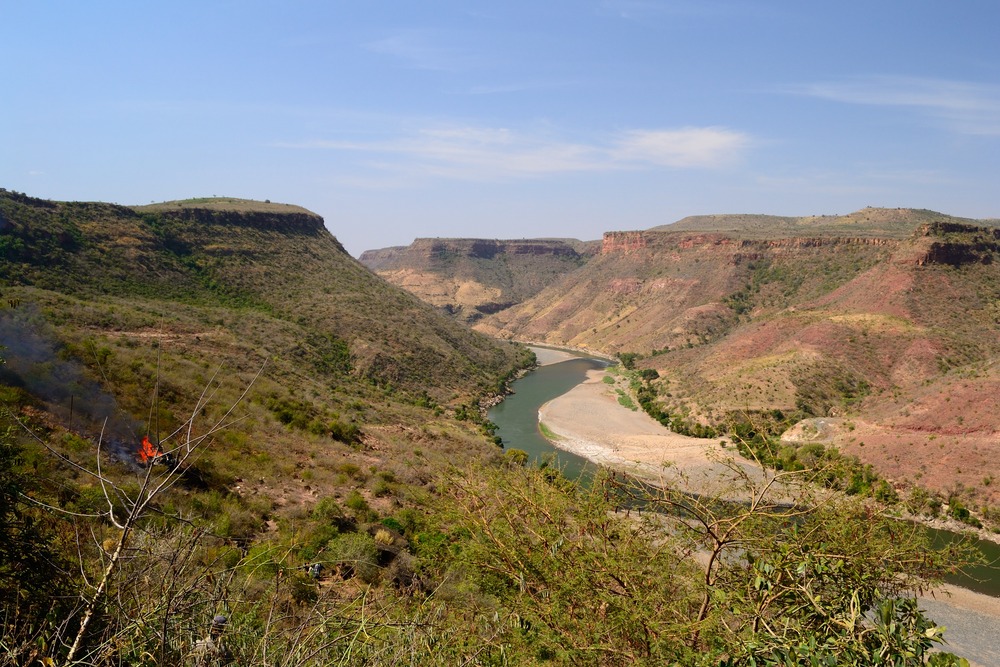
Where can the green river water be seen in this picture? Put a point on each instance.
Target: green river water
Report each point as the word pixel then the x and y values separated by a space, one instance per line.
pixel 517 418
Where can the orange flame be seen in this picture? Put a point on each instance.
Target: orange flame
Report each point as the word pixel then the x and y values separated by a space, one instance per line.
pixel 148 452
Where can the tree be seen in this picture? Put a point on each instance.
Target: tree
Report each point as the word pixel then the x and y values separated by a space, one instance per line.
pixel 792 575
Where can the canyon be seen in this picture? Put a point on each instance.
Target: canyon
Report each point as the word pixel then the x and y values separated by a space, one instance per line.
pixel 881 326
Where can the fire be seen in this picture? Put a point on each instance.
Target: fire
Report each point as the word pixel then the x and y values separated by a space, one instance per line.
pixel 148 452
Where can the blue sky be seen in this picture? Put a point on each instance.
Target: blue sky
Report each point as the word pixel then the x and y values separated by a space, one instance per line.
pixel 402 119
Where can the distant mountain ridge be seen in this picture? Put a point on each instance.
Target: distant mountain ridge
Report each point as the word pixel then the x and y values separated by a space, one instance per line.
pixel 868 222
pixel 471 278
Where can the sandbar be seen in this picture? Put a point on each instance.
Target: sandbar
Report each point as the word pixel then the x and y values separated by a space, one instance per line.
pixel 589 421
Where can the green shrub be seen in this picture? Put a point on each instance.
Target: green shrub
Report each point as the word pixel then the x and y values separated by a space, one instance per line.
pixel 392 524
pixel 356 554
pixel 381 488
pixel 355 501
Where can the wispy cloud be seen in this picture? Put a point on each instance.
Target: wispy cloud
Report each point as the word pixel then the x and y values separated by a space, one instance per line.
pixel 686 147
pixel 419 49
pixel 703 9
pixel 965 107
pixel 478 153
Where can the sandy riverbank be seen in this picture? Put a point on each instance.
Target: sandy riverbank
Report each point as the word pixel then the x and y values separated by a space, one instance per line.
pixel 589 421
pixel 548 355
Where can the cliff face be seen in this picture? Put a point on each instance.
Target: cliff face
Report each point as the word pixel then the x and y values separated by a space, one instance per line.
pixel 470 278
pixel 381 258
pixel 958 244
pixel 290 222
pixel 425 252
pixel 625 243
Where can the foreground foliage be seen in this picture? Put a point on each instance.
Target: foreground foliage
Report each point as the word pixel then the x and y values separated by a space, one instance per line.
pixel 505 565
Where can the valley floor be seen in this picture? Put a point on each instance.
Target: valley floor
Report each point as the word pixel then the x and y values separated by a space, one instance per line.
pixel 589 421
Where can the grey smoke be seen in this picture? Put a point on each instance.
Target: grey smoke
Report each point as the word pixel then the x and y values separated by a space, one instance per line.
pixel 38 362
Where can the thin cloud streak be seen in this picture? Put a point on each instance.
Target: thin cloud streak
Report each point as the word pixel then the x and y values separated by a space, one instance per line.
pixel 419 50
pixel 687 147
pixel 966 107
pixel 478 153
pixel 695 9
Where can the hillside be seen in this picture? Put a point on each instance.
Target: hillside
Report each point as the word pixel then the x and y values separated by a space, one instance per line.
pixel 115 320
pixel 892 339
pixel 471 278
pixel 267 260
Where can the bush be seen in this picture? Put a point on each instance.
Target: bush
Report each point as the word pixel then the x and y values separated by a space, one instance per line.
pixel 357 503
pixel 356 554
pixel 381 488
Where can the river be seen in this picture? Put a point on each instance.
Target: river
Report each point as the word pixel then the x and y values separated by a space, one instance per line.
pixel 517 415
pixel 517 419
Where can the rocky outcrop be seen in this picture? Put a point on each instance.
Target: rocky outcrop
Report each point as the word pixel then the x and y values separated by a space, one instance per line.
pixel 956 244
pixel 292 222
pixel 624 242
pixel 424 252
pixel 382 257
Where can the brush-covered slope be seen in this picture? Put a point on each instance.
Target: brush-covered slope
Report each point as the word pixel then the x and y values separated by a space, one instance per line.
pixel 264 259
pixel 120 322
pixel 470 278
pixel 895 337
pixel 315 512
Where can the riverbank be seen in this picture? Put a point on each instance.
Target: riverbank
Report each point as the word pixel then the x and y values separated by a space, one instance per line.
pixel 589 421
pixel 971 620
pixel 550 355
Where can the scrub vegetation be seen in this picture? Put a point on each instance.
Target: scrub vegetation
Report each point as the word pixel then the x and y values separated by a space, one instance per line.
pixel 321 486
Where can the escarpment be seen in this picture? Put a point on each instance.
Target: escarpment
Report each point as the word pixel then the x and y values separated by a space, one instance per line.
pixel 958 244
pixel 288 222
